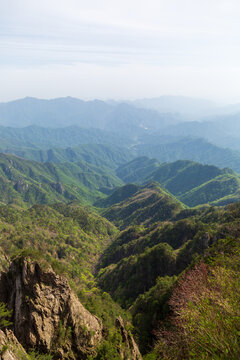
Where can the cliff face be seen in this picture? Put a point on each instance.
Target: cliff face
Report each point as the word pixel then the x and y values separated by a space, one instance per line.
pixel 47 316
pixel 46 313
pixel 10 348
pixel 130 350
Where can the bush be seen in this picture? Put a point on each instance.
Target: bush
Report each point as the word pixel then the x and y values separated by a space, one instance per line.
pixel 5 314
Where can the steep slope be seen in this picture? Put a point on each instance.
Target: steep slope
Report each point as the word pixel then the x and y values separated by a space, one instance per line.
pixel 29 182
pixel 221 190
pixel 49 318
pixel 204 321
pixel 137 170
pixel 195 184
pixel 68 233
pixel 182 176
pixel 137 273
pixel 150 204
pixel 47 314
pixel 191 182
pixel 131 265
pixel 141 266
pixel 68 239
pixel 10 347
pixel 118 195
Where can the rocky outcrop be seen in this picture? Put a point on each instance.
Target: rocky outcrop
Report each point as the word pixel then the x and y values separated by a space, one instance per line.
pixel 4 261
pixel 21 186
pixel 10 348
pixel 130 349
pixel 47 315
pixel 58 187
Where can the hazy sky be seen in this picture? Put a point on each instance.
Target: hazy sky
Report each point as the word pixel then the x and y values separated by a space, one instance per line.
pixel 119 48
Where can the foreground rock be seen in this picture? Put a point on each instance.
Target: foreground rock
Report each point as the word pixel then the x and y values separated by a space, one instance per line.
pixel 10 348
pixel 130 350
pixel 46 313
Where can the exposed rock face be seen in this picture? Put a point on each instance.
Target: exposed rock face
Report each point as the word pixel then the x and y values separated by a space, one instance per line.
pixel 21 186
pixel 10 347
pixel 46 313
pixel 130 350
pixel 58 187
pixel 4 261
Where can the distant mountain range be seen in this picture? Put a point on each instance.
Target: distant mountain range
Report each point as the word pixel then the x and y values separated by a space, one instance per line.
pixel 74 143
pixel 110 230
pixel 178 104
pixel 124 123
pixel 62 112
pixel 112 144
pixel 188 148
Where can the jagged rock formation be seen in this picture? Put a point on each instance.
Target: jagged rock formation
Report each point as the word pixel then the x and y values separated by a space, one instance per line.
pixel 130 350
pixel 10 348
pixel 46 313
pixel 4 261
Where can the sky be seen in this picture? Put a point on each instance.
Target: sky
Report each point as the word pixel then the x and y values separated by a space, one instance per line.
pixel 118 49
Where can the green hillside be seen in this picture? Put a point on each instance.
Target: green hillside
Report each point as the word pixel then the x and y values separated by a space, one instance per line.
pixel 70 239
pixel 192 183
pixel 151 241
pixel 141 266
pixel 181 176
pixel 204 307
pixel 196 184
pixel 223 186
pixel 150 204
pixel 96 154
pixel 68 233
pixel 137 170
pixel 120 194
pixel 139 255
pixel 29 182
pixel 137 274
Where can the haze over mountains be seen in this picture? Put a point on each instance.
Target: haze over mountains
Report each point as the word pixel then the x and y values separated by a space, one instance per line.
pixel 175 116
pixel 164 129
pixel 116 218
